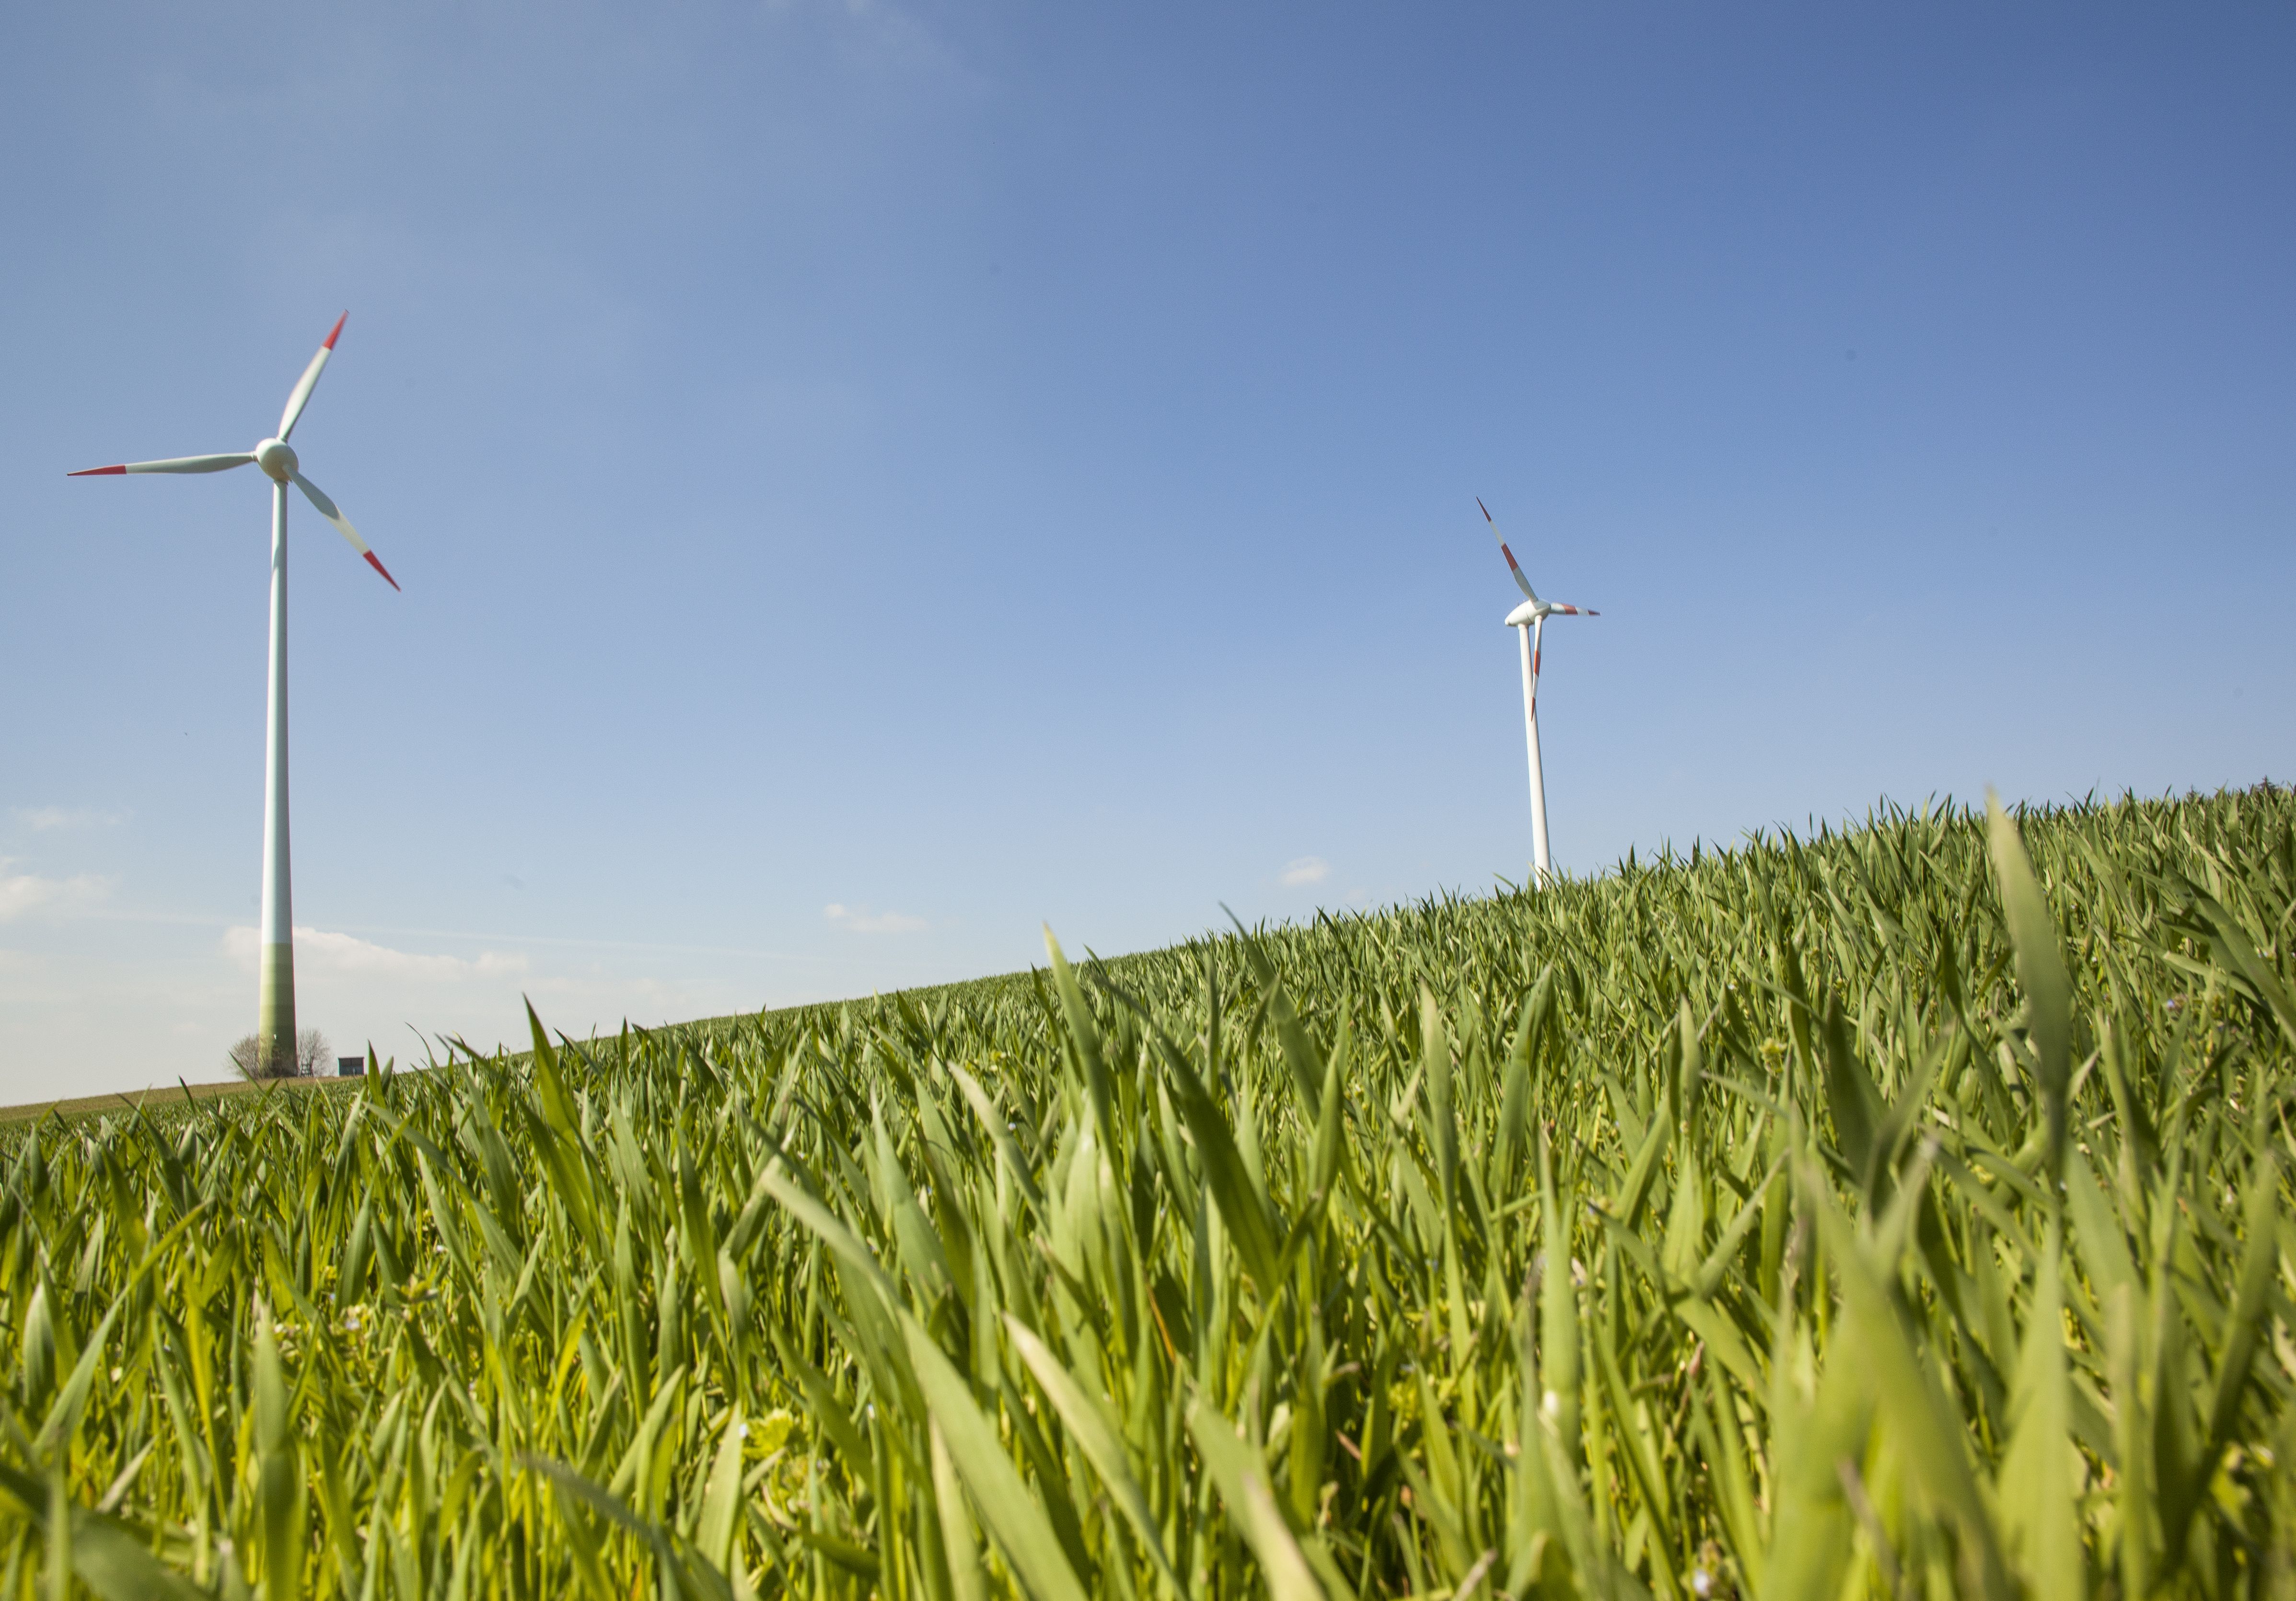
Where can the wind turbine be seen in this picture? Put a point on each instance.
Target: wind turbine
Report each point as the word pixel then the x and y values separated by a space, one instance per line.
pixel 1530 617
pixel 276 993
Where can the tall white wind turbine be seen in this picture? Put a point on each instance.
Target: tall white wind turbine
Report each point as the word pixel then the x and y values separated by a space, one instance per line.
pixel 1530 617
pixel 276 993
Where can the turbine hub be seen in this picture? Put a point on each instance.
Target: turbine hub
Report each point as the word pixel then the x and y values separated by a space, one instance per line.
pixel 276 457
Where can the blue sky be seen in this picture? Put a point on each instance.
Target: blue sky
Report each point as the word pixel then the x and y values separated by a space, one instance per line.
pixel 869 479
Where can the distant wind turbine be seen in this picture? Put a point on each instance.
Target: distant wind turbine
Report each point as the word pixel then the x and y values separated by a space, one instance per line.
pixel 1530 617
pixel 276 993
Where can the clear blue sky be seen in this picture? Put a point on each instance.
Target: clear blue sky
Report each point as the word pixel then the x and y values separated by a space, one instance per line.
pixel 870 477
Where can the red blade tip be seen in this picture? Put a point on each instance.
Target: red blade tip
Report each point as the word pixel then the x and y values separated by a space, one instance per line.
pixel 328 343
pixel 378 568
pixel 1485 510
pixel 96 472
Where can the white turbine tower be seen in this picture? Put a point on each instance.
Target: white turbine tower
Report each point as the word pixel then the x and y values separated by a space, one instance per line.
pixel 1530 617
pixel 276 993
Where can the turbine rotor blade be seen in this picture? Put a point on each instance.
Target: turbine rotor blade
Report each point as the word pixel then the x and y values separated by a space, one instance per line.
pixel 1536 625
pixel 177 464
pixel 333 513
pixel 310 381
pixel 1522 582
pixel 1557 608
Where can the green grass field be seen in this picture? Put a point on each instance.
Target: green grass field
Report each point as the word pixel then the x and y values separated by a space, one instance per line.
pixel 1901 1211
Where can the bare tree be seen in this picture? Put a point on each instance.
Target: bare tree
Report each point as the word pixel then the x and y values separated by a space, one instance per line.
pixel 249 1061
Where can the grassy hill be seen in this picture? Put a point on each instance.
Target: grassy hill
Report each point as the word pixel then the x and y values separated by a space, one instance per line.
pixel 164 1102
pixel 1901 1211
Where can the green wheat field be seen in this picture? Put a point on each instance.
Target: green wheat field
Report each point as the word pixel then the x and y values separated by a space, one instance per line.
pixel 1901 1211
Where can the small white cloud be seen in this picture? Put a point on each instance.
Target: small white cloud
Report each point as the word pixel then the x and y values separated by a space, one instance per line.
pixel 861 919
pixel 1306 870
pixel 42 819
pixel 321 950
pixel 22 894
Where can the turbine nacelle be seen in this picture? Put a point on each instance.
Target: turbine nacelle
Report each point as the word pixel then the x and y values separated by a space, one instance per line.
pixel 276 457
pixel 1539 611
